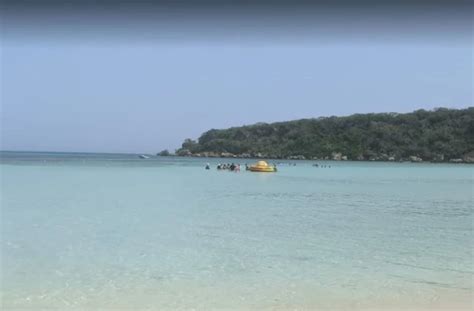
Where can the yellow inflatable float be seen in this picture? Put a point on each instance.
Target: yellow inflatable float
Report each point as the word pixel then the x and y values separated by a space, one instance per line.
pixel 262 166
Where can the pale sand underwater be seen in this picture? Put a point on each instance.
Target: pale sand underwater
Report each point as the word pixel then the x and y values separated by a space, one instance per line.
pixel 107 232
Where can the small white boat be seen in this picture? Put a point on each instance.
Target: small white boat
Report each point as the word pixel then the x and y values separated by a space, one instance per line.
pixel 142 156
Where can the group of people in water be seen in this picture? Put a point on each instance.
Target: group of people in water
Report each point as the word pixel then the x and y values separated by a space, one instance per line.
pixel 322 165
pixel 229 166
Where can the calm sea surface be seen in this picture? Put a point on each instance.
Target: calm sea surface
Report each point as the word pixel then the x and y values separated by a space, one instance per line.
pixel 99 231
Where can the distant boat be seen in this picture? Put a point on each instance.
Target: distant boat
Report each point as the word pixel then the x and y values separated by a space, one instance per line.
pixel 262 166
pixel 142 156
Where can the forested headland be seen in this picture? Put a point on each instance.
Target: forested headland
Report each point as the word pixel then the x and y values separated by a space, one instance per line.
pixel 439 135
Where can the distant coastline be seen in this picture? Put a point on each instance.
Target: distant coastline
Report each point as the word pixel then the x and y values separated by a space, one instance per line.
pixel 296 158
pixel 85 155
pixel 441 135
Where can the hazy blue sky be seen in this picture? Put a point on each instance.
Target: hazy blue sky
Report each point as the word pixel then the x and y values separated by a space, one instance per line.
pixel 74 89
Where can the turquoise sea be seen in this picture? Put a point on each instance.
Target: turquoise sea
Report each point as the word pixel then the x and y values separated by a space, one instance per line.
pixel 111 231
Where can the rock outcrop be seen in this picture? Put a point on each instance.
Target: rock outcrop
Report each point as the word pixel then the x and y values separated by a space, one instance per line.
pixel 415 159
pixel 469 157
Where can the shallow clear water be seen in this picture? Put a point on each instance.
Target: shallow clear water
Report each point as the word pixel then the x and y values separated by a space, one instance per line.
pixel 97 231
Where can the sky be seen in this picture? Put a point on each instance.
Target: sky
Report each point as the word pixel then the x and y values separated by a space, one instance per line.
pixel 141 79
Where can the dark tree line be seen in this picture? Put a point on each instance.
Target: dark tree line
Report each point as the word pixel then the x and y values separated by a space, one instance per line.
pixel 439 135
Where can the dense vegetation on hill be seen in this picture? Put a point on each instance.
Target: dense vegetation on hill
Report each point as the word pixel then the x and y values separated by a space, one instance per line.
pixel 438 135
